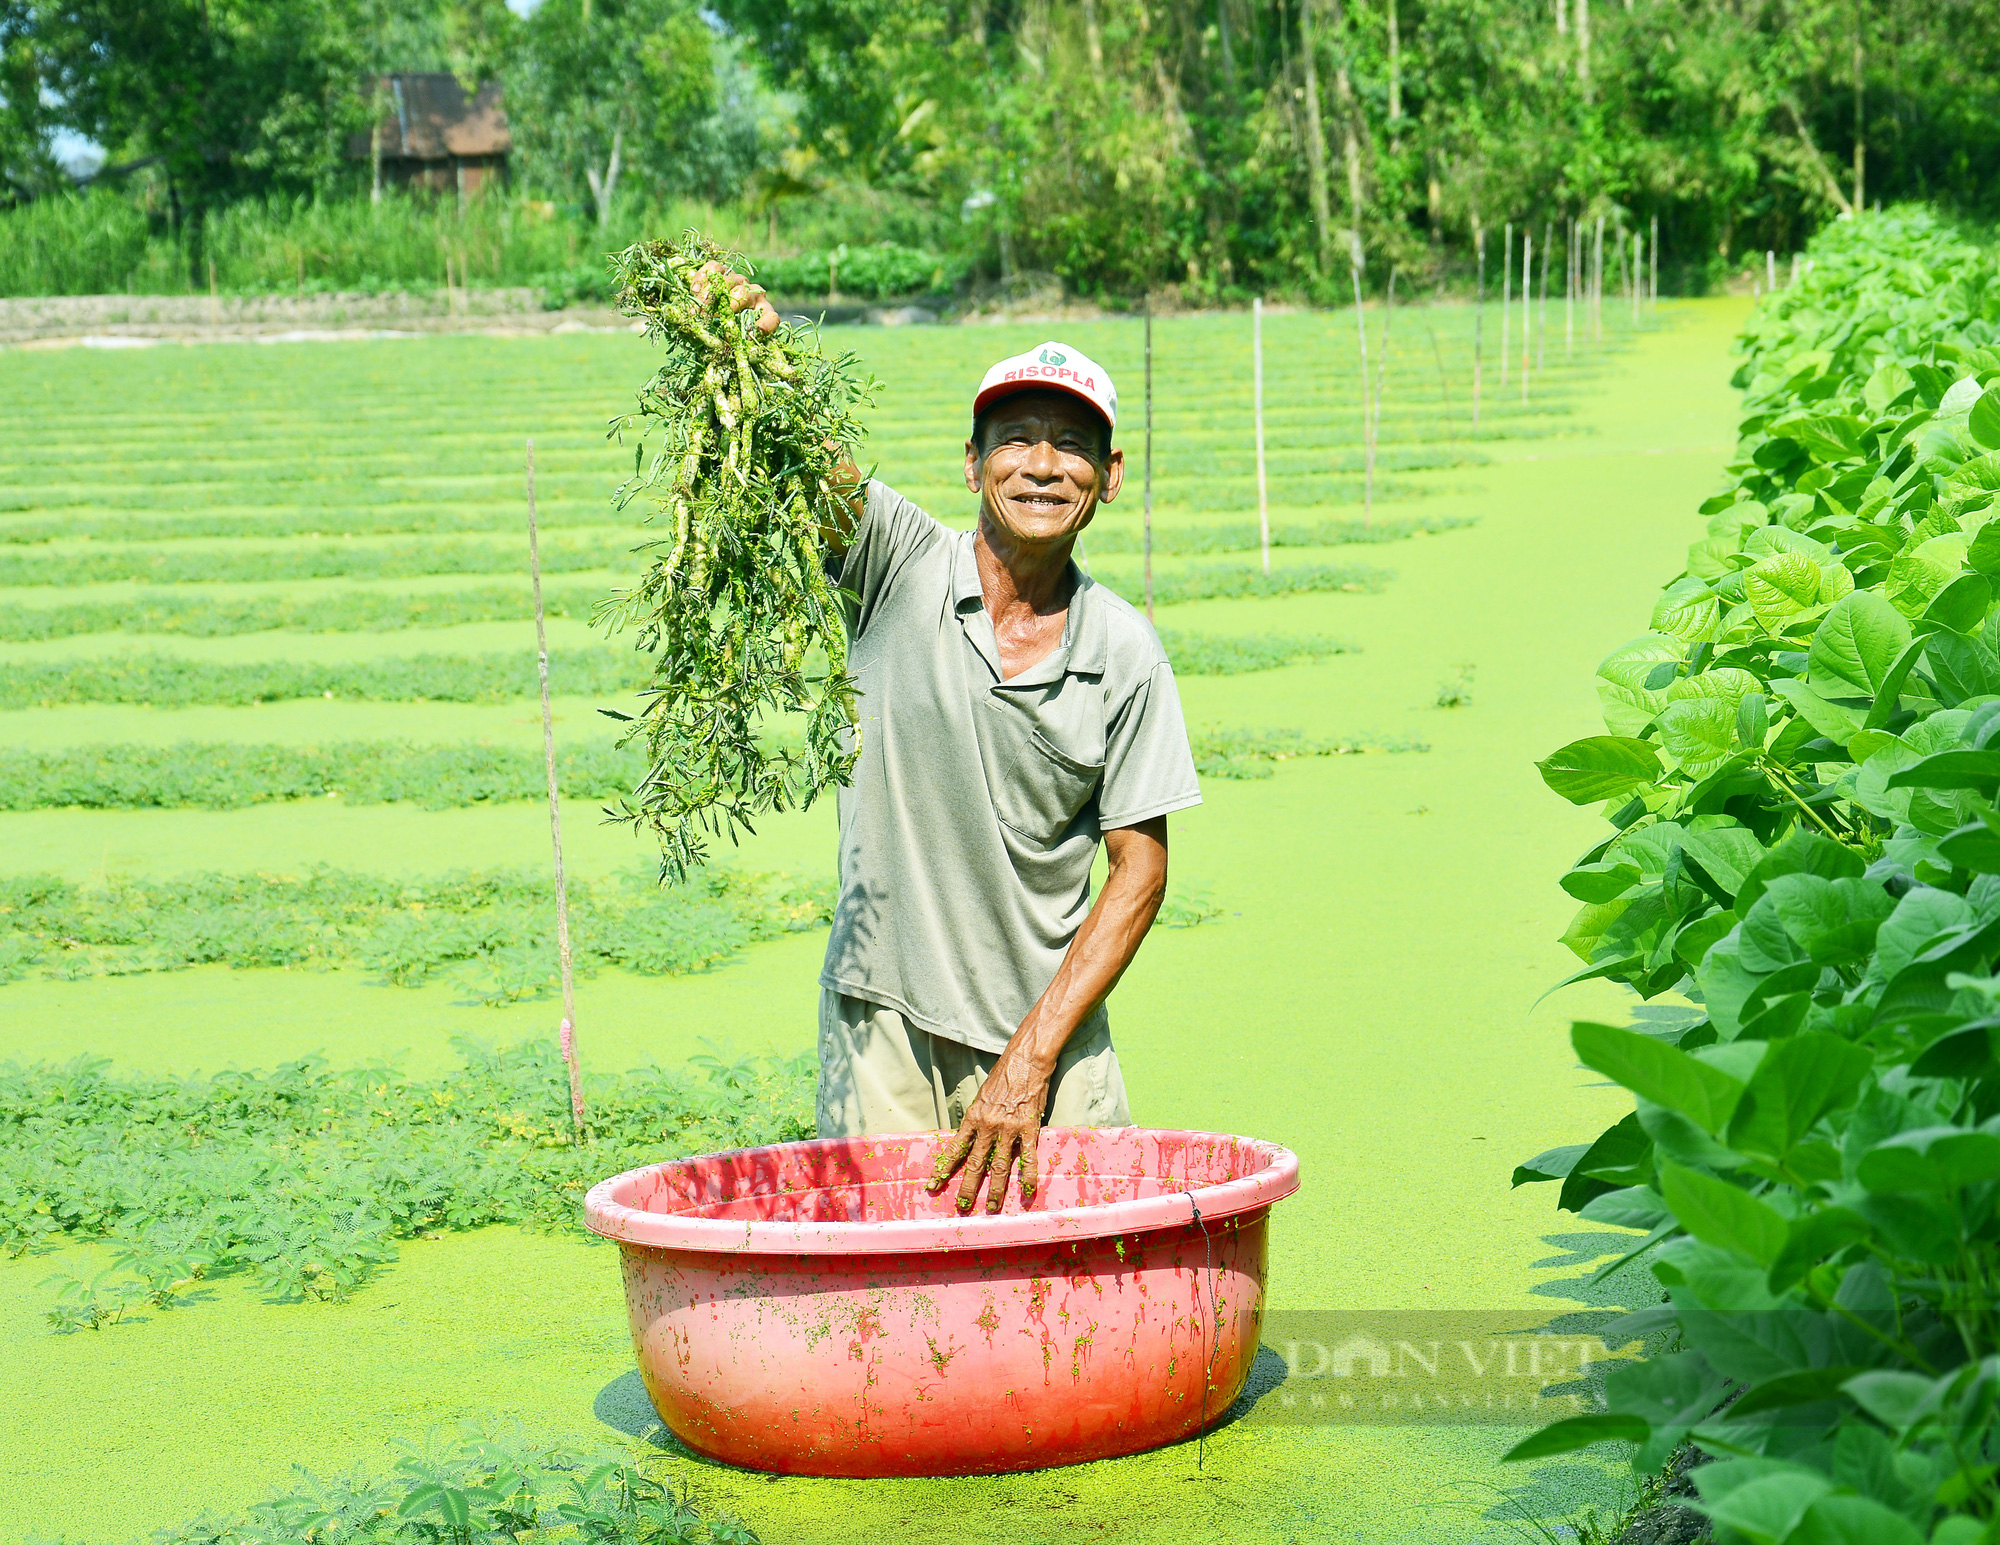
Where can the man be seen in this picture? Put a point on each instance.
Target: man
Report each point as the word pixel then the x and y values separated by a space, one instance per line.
pixel 1012 713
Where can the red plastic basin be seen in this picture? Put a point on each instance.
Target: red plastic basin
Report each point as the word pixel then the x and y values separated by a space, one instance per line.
pixel 812 1309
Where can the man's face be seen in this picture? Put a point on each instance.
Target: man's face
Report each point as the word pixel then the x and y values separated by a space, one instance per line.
pixel 1041 474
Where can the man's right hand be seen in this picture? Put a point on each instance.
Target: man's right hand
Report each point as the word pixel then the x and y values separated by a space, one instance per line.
pixel 743 295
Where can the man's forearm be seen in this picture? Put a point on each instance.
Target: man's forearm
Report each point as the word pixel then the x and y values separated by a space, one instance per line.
pixel 1103 947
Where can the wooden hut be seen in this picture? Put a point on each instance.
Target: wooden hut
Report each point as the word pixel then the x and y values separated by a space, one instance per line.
pixel 435 137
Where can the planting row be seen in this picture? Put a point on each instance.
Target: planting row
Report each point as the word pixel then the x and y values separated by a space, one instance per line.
pixel 492 933
pixel 1801 775
pixel 226 775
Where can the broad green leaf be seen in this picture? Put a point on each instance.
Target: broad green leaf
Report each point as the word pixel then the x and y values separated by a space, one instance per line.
pixel 1939 1159
pixel 1575 1432
pixel 1974 846
pixel 1552 1165
pixel 1619 1158
pixel 1723 1215
pixel 1855 644
pixel 1600 882
pixel 1827 436
pixel 1808 1387
pixel 1767 1510
pixel 1700 733
pixel 1780 587
pixel 1629 703
pixel 1600 767
pixel 1813 1239
pixel 1890 697
pixel 1962 605
pixel 1635 1207
pixel 1837 724
pixel 1664 1074
pixel 1800 1080
pixel 1949 770
pixel 1984 423
pixel 1687 612
pixel 1803 852
pixel 1726 854
pixel 1837 1520
pixel 1894 1398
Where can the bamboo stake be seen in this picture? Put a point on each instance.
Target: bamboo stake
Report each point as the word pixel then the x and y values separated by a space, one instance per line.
pixel 1653 250
pixel 1381 372
pixel 1542 329
pixel 1569 293
pixel 1597 285
pixel 1506 298
pixel 1478 316
pixel 566 1037
pixel 1257 379
pixel 1149 457
pixel 1367 435
pixel 1527 306
pixel 1770 270
pixel 1638 272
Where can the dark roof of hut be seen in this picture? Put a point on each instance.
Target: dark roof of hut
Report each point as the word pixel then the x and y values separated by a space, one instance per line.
pixel 430 118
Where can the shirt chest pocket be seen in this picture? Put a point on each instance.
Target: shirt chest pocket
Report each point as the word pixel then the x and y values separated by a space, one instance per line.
pixel 1041 773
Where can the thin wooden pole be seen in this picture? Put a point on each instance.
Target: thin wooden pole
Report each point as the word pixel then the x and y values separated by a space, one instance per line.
pixel 1527 307
pixel 1506 298
pixel 1257 379
pixel 1149 458
pixel 1597 284
pixel 566 1037
pixel 1367 430
pixel 1381 373
pixel 1478 316
pixel 1653 251
pixel 1542 327
pixel 1569 293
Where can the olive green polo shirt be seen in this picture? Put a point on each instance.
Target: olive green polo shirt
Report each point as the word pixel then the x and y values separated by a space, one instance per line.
pixel 968 830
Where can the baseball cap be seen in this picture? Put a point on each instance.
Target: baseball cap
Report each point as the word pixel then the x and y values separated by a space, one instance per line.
pixel 1050 367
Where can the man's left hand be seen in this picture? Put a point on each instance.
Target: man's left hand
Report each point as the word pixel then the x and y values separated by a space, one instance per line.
pixel 1001 1127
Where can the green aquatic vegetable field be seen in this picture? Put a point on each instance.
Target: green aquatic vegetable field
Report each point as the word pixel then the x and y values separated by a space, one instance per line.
pixel 202 543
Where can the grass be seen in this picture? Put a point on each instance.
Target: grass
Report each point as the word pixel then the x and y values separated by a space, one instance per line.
pixel 1331 1004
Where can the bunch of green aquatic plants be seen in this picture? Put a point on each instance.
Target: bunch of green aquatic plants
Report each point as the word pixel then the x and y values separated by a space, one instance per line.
pixel 1221 752
pixel 174 565
pixel 493 931
pixel 175 681
pixel 228 775
pixel 302 1179
pixel 1802 774
pixel 420 517
pixel 1224 654
pixel 748 434
pixel 344 611
pixel 476 1488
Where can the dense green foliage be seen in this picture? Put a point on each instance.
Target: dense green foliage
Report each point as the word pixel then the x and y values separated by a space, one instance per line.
pixel 346 611
pixel 1212 654
pixel 173 681
pixel 1800 774
pixel 303 1178
pixel 734 603
pixel 303 559
pixel 475 1489
pixel 228 775
pixel 494 933
pixel 1254 752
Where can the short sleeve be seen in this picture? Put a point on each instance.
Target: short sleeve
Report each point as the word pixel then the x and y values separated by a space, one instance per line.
pixel 891 532
pixel 1148 766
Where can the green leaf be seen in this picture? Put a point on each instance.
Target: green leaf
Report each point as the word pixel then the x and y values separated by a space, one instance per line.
pixel 1600 767
pixel 1840 1520
pixel 1941 1159
pixel 1800 1080
pixel 1766 1510
pixel 1723 1215
pixel 1615 1160
pixel 1827 436
pixel 1962 605
pixel 1894 1398
pixel 1666 1075
pixel 1835 723
pixel 1604 881
pixel 1809 1386
pixel 1700 733
pixel 1855 645
pixel 1890 698
pixel 1984 423
pixel 1575 1432
pixel 1552 1165
pixel 1753 720
pixel 1811 1240
pixel 1949 770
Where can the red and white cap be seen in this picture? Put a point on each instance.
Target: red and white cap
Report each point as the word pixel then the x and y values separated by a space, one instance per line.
pixel 1050 367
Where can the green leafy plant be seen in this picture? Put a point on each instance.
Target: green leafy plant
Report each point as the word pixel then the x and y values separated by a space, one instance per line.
pixel 1255 753
pixel 1802 774
pixel 1456 692
pixel 752 432
pixel 302 559
pixel 1243 536
pixel 1212 654
pixel 1232 581
pixel 351 611
pixel 494 930
pixel 303 1178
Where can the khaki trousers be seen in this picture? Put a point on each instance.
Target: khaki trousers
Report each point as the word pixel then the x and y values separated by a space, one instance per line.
pixel 878 1073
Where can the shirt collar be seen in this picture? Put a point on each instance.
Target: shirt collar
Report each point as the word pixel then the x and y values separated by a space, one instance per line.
pixel 1083 647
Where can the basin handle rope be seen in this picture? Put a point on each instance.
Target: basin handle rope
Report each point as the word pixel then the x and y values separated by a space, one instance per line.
pixel 1213 1338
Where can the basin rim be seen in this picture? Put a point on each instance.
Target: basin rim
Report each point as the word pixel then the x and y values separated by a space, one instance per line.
pixel 1276 1178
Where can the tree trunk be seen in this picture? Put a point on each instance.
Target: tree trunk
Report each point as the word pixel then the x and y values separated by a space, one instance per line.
pixel 1583 45
pixel 1092 39
pixel 1860 118
pixel 977 18
pixel 1562 18
pixel 375 160
pixel 1395 71
pixel 603 189
pixel 1350 142
pixel 1228 55
pixel 1322 206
